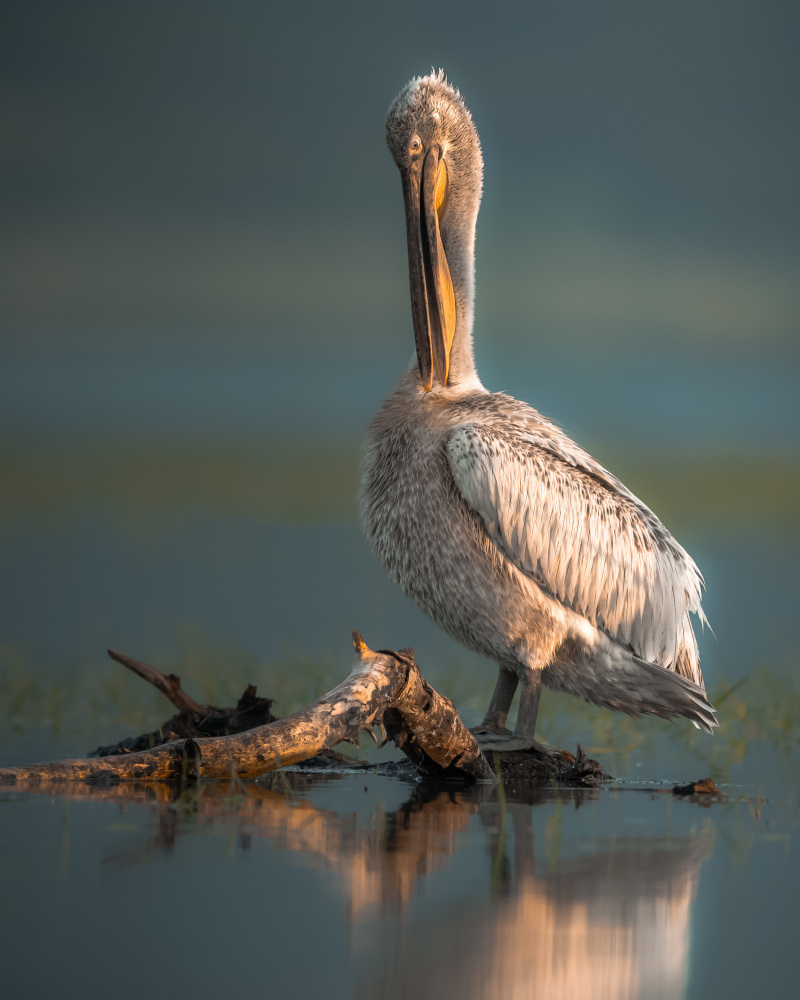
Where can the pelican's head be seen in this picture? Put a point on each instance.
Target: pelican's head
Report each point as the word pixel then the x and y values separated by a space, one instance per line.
pixel 434 143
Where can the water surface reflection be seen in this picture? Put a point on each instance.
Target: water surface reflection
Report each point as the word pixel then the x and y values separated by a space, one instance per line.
pixel 535 911
pixel 611 922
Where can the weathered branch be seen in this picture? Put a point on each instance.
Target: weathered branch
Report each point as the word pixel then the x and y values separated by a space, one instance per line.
pixel 384 689
pixel 193 721
pixel 168 684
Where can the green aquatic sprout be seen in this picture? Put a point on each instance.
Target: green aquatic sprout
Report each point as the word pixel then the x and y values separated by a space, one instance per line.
pixel 500 862
pixel 553 832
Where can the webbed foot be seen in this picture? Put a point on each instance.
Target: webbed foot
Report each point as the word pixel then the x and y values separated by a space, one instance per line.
pixel 491 732
pixel 503 741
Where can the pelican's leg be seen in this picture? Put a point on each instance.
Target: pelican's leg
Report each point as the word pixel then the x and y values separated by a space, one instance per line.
pixel 500 740
pixel 530 693
pixel 496 714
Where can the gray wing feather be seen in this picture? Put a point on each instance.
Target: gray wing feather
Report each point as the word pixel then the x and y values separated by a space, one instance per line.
pixel 634 686
pixel 574 528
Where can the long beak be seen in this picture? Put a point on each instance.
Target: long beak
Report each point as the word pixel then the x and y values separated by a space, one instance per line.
pixel 433 307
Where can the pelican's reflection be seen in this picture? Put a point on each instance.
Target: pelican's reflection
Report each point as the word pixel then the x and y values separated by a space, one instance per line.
pixel 613 923
pixel 611 920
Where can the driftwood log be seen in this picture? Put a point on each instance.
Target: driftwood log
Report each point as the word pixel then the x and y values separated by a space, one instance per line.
pixel 384 689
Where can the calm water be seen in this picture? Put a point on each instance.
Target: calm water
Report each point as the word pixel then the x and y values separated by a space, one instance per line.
pixel 350 886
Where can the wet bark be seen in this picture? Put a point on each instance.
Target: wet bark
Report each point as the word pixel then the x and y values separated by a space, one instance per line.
pixel 384 689
pixel 541 764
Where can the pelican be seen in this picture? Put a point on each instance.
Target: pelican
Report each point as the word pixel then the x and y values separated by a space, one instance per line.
pixel 500 528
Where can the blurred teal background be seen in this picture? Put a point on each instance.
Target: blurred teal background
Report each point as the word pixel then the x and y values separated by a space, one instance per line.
pixel 205 298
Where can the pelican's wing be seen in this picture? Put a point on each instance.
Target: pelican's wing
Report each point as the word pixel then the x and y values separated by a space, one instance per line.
pixel 571 526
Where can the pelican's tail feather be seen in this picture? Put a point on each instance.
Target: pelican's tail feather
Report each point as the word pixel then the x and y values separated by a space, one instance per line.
pixel 612 677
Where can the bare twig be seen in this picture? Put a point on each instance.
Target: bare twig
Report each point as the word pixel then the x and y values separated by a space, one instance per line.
pixel 167 684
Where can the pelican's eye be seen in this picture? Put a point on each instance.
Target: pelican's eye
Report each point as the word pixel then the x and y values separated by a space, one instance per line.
pixel 415 145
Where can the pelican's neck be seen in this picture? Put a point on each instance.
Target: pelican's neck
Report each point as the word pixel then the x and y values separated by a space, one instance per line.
pixel 462 271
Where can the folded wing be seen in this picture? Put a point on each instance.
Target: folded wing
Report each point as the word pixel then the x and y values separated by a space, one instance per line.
pixel 581 535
